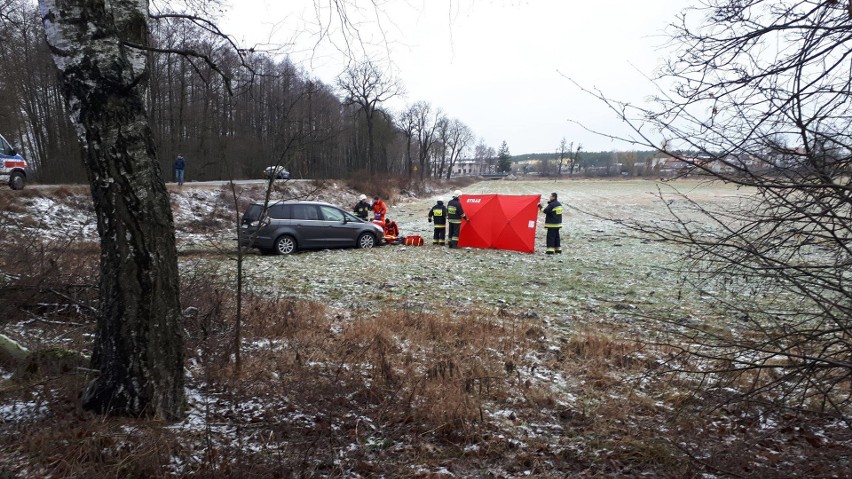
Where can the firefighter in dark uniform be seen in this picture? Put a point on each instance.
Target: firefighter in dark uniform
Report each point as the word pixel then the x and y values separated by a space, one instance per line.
pixel 438 213
pixel 455 215
pixel 362 208
pixel 552 223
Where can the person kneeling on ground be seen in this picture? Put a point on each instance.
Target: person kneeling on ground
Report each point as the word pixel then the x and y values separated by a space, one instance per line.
pixel 391 231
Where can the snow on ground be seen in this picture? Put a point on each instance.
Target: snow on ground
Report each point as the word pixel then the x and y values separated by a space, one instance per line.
pixel 605 274
pixel 22 411
pixel 605 278
pixel 54 218
pixel 603 267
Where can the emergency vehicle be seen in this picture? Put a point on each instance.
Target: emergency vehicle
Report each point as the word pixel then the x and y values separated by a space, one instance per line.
pixel 13 168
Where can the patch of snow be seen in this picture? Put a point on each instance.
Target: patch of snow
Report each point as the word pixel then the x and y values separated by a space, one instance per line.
pixel 21 411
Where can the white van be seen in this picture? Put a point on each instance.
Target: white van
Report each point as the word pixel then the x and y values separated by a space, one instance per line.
pixel 13 167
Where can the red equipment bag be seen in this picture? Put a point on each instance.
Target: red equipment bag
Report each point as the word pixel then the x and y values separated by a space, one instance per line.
pixel 413 240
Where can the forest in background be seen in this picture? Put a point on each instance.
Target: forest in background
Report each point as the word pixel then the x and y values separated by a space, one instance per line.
pixel 233 112
pixel 229 112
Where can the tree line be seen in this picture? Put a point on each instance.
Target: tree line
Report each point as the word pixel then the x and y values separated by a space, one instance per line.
pixel 232 112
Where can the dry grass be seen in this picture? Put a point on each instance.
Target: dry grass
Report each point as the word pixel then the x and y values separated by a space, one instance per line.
pixel 327 394
pixel 371 185
pixel 432 369
pixel 398 392
pixel 70 443
pixel 48 289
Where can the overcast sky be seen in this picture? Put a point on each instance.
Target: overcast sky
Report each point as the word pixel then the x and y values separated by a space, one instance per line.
pixel 500 66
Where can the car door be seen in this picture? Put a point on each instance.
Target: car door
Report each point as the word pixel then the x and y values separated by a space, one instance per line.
pixel 308 226
pixel 341 227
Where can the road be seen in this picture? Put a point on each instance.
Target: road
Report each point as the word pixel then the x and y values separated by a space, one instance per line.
pixel 169 184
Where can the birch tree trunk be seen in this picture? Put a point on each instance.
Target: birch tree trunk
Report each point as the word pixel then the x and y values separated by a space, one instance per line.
pixel 138 343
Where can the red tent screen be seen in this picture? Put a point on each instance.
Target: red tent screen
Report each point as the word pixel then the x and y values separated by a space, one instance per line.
pixel 500 222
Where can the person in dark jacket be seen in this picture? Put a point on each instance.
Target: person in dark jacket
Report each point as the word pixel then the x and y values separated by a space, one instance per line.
pixel 438 215
pixel 455 215
pixel 553 223
pixel 362 208
pixel 180 165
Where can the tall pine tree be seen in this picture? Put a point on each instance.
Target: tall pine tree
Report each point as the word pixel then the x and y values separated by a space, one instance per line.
pixel 504 159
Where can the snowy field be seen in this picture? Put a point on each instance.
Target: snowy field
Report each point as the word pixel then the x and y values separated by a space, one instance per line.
pixel 406 361
pixel 605 269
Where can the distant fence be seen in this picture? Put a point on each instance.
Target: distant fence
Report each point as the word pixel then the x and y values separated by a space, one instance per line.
pixel 494 176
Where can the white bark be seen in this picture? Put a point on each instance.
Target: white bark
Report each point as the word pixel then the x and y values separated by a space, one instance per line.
pixel 139 346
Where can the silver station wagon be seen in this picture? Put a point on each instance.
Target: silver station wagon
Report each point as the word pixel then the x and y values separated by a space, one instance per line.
pixel 289 226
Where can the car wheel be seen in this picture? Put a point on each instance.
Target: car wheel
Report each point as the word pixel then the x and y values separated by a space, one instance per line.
pixel 17 180
pixel 285 244
pixel 366 240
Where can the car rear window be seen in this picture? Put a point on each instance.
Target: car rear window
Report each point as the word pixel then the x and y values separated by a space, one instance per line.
pixel 281 212
pixel 305 212
pixel 252 213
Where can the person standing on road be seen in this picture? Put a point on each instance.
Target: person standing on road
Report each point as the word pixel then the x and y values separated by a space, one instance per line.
pixel 180 164
pixel 438 213
pixel 552 223
pixel 455 215
pixel 380 209
pixel 362 208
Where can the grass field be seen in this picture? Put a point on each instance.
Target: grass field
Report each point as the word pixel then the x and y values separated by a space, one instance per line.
pixel 604 268
pixel 399 361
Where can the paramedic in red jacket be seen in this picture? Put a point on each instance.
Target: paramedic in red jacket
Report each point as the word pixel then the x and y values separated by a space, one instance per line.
pixel 391 231
pixel 380 209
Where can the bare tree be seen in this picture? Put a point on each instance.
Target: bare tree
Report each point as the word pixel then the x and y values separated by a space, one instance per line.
pixel 485 156
pixel 762 94
pixel 567 154
pixel 441 150
pixel 627 162
pixel 458 140
pixel 426 122
pixel 32 109
pixel 364 85
pixel 139 339
pixel 564 152
pixel 407 123
pixel 575 159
